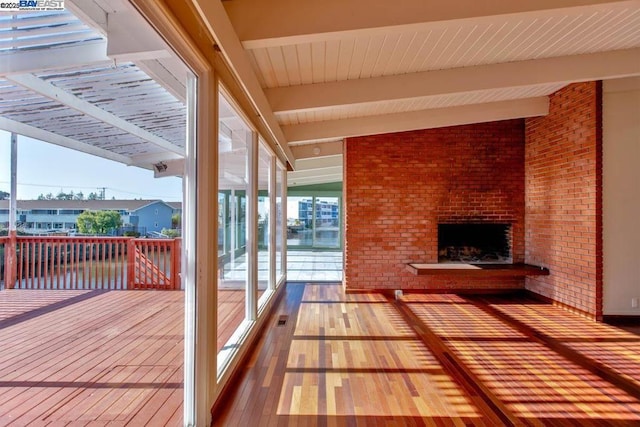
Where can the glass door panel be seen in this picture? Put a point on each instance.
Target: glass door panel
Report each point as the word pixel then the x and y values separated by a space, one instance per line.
pixel 233 184
pixel 299 221
pixel 264 213
pixel 326 222
pixel 313 222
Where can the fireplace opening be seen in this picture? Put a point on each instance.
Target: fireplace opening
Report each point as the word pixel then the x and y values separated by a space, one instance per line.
pixel 474 243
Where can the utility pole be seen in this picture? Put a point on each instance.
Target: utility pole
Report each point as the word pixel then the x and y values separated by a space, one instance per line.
pixel 102 192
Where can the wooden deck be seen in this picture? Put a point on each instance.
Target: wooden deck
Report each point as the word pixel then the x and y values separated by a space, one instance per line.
pixel 91 357
pixel 231 312
pixel 367 360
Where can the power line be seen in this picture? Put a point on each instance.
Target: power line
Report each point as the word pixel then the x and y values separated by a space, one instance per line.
pixel 101 189
pixel 29 184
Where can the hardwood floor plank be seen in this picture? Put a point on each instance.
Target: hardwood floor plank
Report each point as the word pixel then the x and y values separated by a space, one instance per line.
pixel 536 381
pixel 614 349
pixel 429 360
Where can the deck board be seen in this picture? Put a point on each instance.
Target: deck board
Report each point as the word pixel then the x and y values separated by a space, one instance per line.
pixel 366 359
pixel 112 358
pixel 231 312
pixel 97 357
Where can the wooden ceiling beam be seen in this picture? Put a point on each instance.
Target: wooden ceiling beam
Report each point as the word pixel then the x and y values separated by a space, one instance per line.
pixel 45 88
pixel 63 141
pixel 423 119
pixel 320 179
pixel 128 39
pixel 315 176
pixel 320 149
pixel 284 22
pixel 221 29
pixel 559 70
pixel 29 61
pixel 319 163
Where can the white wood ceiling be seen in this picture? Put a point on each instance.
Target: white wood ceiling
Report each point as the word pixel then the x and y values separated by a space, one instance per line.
pixel 438 46
pixel 338 68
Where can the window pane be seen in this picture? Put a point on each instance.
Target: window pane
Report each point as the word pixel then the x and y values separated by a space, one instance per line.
pixel 313 222
pixel 223 223
pixel 300 221
pixel 327 222
pixel 232 222
pixel 279 222
pixel 264 208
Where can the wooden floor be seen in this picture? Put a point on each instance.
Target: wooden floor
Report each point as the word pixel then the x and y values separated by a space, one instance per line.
pixel 330 359
pixel 91 358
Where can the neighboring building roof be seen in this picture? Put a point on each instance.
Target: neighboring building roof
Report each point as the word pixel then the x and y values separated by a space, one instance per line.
pixel 175 205
pixel 95 205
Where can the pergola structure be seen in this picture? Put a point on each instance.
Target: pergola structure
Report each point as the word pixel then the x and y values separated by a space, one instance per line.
pixel 94 78
pixel 68 78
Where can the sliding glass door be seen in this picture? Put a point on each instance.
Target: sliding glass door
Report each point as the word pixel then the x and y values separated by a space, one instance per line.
pixel 314 222
pixel 326 222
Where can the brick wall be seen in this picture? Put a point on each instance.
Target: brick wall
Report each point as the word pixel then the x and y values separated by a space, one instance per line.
pixel 398 187
pixel 564 198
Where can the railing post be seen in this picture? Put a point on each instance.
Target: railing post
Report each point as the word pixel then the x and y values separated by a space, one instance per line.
pixel 10 264
pixel 175 264
pixel 131 256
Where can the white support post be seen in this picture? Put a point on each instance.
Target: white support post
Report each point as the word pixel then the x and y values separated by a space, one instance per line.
pixel 13 200
pixel 313 221
pixel 272 223
pixel 200 293
pixel 188 273
pixel 233 224
pixel 252 228
pixel 11 265
pixel 283 259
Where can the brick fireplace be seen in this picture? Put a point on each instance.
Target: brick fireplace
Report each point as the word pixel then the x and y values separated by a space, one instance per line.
pixel 474 243
pixel 545 173
pixel 400 187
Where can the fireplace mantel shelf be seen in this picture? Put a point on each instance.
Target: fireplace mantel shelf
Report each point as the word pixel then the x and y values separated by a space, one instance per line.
pixel 477 270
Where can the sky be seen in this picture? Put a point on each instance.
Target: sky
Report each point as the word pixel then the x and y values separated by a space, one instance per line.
pixel 47 168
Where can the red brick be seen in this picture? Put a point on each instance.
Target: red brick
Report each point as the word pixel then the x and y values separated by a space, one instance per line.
pixel 398 187
pixel 563 176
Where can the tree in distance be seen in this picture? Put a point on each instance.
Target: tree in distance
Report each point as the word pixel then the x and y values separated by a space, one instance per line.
pixel 98 222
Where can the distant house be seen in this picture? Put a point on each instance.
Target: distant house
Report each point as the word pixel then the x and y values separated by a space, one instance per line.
pixel 177 207
pixel 40 216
